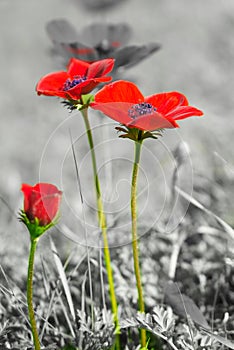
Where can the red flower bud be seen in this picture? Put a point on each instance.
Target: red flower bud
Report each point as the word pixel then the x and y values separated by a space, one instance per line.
pixel 41 202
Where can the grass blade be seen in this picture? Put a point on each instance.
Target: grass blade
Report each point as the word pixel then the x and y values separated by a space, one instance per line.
pixel 63 278
pixel 228 229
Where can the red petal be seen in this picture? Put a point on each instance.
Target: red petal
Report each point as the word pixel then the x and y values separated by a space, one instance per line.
pixel 100 68
pixel 115 110
pixel 184 112
pixel 77 67
pixel 27 190
pixel 102 79
pixel 119 91
pixel 52 84
pixel 46 188
pixel 46 208
pixel 81 89
pixel 167 101
pixel 154 121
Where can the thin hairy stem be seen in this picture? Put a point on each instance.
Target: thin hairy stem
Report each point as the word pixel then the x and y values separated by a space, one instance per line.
pixel 135 171
pixel 103 227
pixel 30 294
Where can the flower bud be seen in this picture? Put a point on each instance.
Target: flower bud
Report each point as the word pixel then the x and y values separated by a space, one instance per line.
pixel 41 207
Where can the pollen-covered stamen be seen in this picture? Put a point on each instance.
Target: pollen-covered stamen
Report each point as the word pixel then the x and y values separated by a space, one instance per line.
pixel 141 109
pixel 69 84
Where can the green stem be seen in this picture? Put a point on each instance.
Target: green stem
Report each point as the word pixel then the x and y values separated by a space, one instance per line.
pixel 93 156
pixel 135 171
pixel 30 294
pixel 102 225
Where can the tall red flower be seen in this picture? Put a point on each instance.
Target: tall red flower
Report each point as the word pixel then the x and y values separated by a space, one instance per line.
pixel 80 78
pixel 41 202
pixel 123 102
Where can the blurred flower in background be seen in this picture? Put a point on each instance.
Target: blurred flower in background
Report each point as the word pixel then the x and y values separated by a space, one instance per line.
pixel 97 41
pixel 100 4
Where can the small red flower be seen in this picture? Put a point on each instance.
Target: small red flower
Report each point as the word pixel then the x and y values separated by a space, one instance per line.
pixel 123 102
pixel 41 202
pixel 80 79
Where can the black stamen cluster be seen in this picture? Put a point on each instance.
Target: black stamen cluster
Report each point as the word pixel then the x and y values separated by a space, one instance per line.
pixel 69 84
pixel 140 109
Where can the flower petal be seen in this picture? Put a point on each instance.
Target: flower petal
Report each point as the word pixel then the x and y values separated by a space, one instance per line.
pixel 153 121
pixel 52 84
pixel 119 91
pixel 97 33
pixel 46 208
pixel 26 189
pixel 184 112
pixel 167 101
pixel 77 67
pixel 115 110
pixel 46 188
pixel 130 55
pixel 100 68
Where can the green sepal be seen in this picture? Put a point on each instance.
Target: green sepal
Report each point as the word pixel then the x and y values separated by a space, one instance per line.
pixel 136 134
pixel 152 134
pixel 70 104
pixel 85 101
pixel 80 104
pixel 34 228
pixel 129 133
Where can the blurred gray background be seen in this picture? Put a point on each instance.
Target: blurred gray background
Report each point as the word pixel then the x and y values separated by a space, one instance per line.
pixel 197 59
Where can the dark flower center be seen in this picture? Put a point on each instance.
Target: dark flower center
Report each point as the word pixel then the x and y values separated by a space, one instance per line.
pixel 69 84
pixel 103 48
pixel 141 109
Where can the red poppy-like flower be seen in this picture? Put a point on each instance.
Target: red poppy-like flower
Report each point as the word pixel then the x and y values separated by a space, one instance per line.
pixel 41 202
pixel 123 102
pixel 80 79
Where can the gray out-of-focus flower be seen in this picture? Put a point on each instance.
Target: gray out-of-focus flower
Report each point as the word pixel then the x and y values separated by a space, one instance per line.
pixel 97 41
pixel 100 4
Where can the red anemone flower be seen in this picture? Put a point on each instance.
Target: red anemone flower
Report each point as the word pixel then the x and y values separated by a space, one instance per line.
pixel 41 201
pixel 123 102
pixel 80 79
